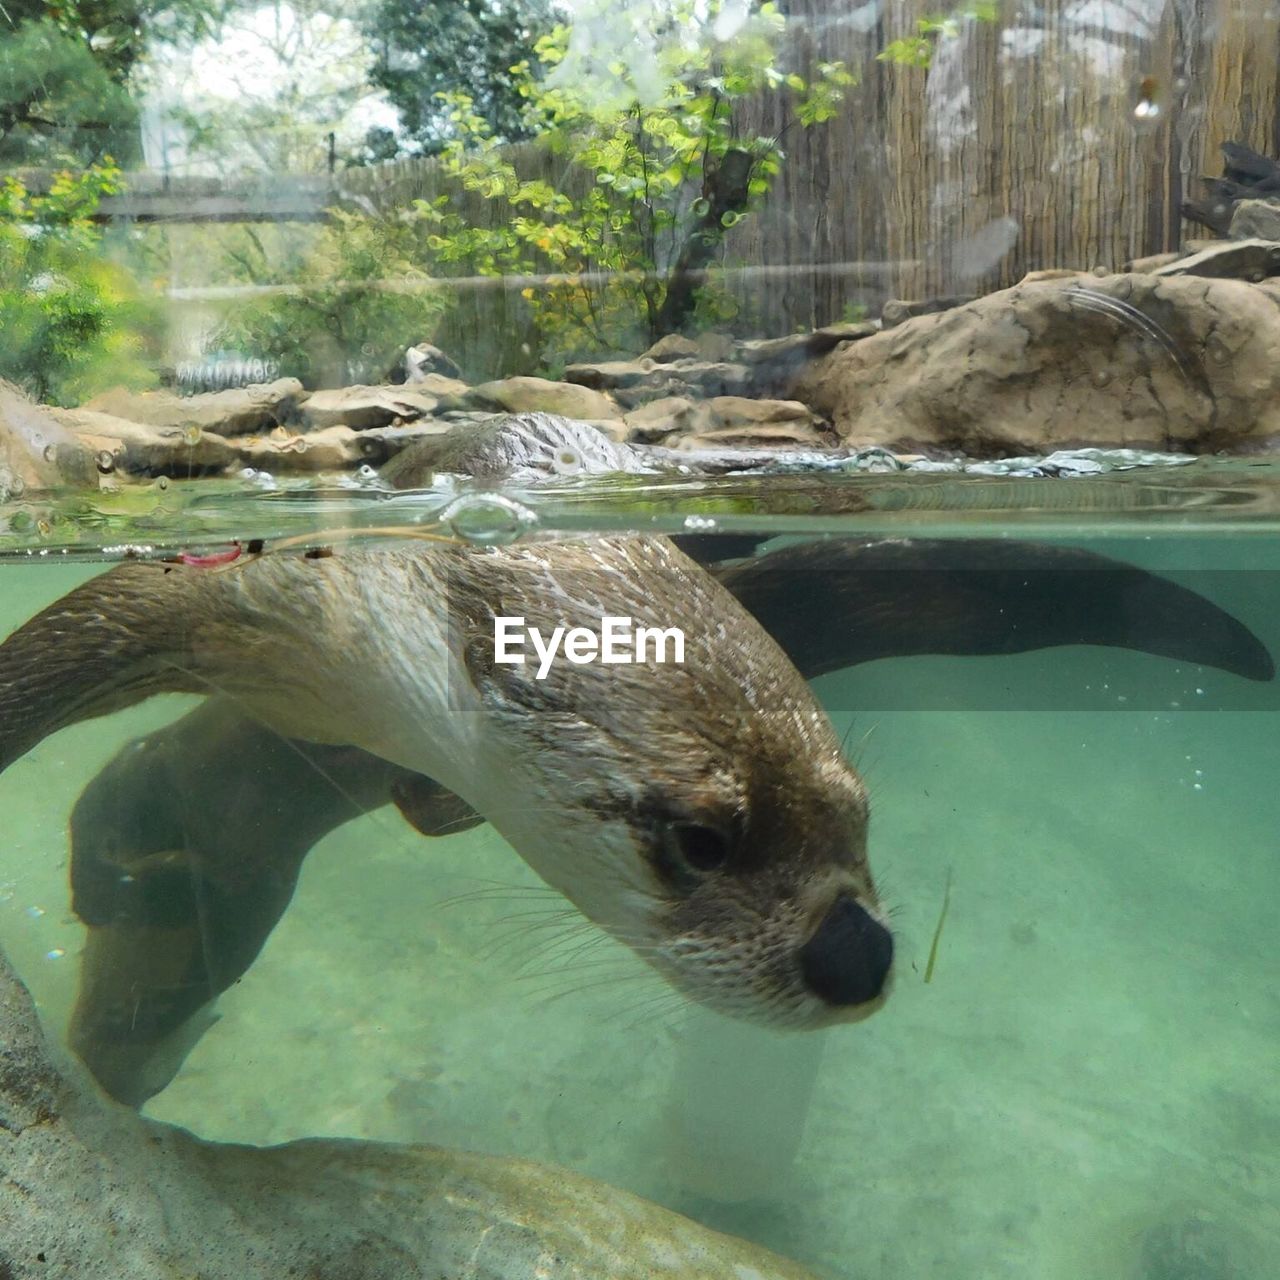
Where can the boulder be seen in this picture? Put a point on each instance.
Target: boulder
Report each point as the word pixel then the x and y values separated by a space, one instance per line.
pixel 139 449
pixel 36 451
pixel 738 411
pixel 236 412
pixel 1176 363
pixel 1256 220
pixel 897 311
pixel 363 407
pixel 675 346
pixel 657 419
pixel 1229 260
pixel 540 395
pixel 99 1192
pixel 756 435
pixel 336 448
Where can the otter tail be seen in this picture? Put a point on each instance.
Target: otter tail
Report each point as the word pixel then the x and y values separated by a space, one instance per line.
pixel 111 642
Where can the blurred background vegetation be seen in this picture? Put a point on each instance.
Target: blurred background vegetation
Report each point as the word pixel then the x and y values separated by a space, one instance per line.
pixel 242 92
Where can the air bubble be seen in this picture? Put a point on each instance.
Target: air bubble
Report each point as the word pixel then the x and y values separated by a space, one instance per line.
pixel 700 524
pixel 51 453
pixel 191 435
pixel 487 520
pixel 566 461
pixel 162 482
pixel 106 461
pixel 1102 378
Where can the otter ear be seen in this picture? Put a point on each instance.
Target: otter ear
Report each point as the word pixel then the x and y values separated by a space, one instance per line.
pixel 837 603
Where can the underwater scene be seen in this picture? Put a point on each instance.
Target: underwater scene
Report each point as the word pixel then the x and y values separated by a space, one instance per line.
pixel 639 639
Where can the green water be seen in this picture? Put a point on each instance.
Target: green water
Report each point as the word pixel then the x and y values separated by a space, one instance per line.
pixel 1087 1089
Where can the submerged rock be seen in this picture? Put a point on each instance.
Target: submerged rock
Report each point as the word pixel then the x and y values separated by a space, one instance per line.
pixel 105 1193
pixel 1137 361
pixel 236 412
pixel 1253 260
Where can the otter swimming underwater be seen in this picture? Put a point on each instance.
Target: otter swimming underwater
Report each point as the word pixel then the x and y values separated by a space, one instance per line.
pixel 704 815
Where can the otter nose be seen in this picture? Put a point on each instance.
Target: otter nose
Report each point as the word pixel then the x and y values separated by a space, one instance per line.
pixel 847 960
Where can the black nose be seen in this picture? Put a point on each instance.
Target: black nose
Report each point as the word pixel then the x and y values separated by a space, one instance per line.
pixel 847 960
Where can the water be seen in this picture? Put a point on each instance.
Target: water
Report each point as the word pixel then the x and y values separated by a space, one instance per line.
pixel 1086 1087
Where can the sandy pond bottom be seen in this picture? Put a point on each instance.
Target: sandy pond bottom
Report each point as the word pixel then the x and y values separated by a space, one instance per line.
pixel 1087 1090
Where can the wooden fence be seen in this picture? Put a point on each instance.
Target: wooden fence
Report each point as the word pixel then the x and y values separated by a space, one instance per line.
pixel 1036 128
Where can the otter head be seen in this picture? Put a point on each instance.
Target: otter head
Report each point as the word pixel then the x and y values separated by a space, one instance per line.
pixel 700 810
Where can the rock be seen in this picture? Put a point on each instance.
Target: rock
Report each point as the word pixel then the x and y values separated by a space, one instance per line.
pixel 105 1193
pixel 540 395
pixel 141 449
pixel 675 346
pixel 37 452
pixel 761 435
pixel 335 448
pixel 423 361
pixel 897 312
pixel 1152 263
pixel 715 347
pixel 235 412
pixel 440 385
pixel 1175 363
pixel 1256 220
pixel 363 407
pixel 637 382
pixel 657 419
pixel 723 412
pixel 1229 260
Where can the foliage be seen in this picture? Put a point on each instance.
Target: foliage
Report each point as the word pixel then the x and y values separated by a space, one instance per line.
pixel 115 33
pixel 73 321
pixel 425 49
pixel 917 50
pixel 351 301
pixel 658 133
pixel 57 103
pixel 264 94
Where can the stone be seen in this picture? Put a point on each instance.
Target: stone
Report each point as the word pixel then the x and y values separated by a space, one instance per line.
pixel 1153 262
pixel 1172 363
pixel 105 1193
pixel 609 375
pixel 753 435
pixel 336 448
pixel 424 360
pixel 636 382
pixel 37 452
pixel 657 419
pixel 362 407
pixel 1251 260
pixel 721 412
pixel 540 395
pixel 896 311
pixel 238 411
pixel 675 346
pixel 441 385
pixel 141 449
pixel 1256 220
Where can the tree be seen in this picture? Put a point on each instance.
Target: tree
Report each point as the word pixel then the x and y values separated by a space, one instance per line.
pixel 57 104
pixel 73 320
pixel 423 48
pixel 651 114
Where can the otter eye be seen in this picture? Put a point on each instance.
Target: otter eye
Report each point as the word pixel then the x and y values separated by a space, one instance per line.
pixel 688 851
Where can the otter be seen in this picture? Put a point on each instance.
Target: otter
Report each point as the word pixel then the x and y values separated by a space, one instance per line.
pixel 703 813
